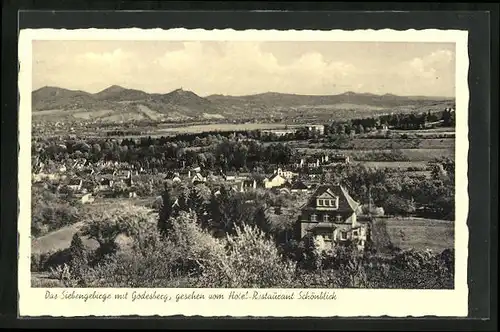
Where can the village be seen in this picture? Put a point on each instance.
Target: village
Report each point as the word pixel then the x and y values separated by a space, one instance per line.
pixel 83 182
pixel 319 204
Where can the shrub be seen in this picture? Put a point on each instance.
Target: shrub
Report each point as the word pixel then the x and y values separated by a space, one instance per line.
pixel 251 260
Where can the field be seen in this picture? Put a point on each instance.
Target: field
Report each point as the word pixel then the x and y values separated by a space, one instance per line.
pixel 417 233
pixel 61 238
pixel 223 127
pixel 58 240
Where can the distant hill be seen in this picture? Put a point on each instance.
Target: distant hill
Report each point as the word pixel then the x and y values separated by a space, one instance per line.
pixel 118 93
pixel 292 100
pixel 116 104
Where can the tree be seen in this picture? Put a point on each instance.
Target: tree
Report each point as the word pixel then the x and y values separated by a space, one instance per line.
pixel 261 220
pixel 79 260
pixel 105 226
pixel 164 222
pixel 251 260
pixel 197 205
pixel 396 205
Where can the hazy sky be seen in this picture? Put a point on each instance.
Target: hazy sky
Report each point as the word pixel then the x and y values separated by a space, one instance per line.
pixel 240 68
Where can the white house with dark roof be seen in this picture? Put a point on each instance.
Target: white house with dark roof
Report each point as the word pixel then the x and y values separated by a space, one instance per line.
pixel 275 180
pixel 332 213
pixel 75 184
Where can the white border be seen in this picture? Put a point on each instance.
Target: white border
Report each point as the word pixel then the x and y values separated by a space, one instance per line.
pixel 349 303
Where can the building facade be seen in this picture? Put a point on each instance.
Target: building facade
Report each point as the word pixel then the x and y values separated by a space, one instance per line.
pixel 332 214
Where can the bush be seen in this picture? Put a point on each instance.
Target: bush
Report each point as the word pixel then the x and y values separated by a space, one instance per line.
pixel 42 262
pixel 251 261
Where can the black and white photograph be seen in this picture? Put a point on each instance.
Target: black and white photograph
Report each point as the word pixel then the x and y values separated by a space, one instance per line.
pixel 260 166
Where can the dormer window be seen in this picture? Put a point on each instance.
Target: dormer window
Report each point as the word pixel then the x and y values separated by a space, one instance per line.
pixel 329 202
pixel 313 218
pixel 326 218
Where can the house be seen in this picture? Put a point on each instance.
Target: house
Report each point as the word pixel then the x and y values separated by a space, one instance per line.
pixel 174 176
pixel 185 174
pixel 337 160
pixel 299 187
pixel 75 184
pixel 86 198
pixel 317 128
pixel 286 174
pixel 105 184
pixel 332 213
pixel 198 178
pixel 128 180
pixel 247 185
pixel 275 180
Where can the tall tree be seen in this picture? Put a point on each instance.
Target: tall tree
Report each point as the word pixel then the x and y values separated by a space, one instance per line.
pixel 165 213
pixel 261 220
pixel 197 205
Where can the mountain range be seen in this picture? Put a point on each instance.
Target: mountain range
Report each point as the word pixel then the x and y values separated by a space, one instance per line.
pixel 117 103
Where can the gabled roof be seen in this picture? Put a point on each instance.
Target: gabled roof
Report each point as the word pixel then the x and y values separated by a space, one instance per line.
pixel 299 185
pixel 346 200
pixel 274 176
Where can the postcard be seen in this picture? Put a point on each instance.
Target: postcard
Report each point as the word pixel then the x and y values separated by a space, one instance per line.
pixel 253 173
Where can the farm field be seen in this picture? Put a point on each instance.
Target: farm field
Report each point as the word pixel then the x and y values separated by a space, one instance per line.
pixel 380 144
pixel 225 127
pixel 438 130
pixel 393 164
pixel 417 233
pixel 385 143
pixel 410 154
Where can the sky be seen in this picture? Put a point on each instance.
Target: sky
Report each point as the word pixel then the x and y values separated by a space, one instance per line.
pixel 243 68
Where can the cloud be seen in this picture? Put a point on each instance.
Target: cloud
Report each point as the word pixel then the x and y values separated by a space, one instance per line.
pixel 433 73
pixel 431 65
pixel 115 57
pixel 245 67
pixel 242 67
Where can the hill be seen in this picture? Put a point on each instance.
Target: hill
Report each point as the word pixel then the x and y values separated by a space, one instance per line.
pixel 270 99
pixel 119 104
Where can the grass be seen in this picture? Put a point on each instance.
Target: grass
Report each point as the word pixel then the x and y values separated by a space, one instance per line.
pixel 402 143
pixel 416 233
pixel 403 165
pixel 42 280
pixel 58 240
pixel 223 127
pixel 364 155
pixel 61 238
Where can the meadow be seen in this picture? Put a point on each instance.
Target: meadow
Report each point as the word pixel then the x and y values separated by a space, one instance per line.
pixel 195 129
pixel 414 233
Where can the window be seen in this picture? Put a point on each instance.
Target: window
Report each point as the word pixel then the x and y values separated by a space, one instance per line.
pixel 343 235
pixel 355 232
pixel 334 202
pixel 325 218
pixel 338 217
pixel 320 202
pixel 327 202
pixel 313 217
